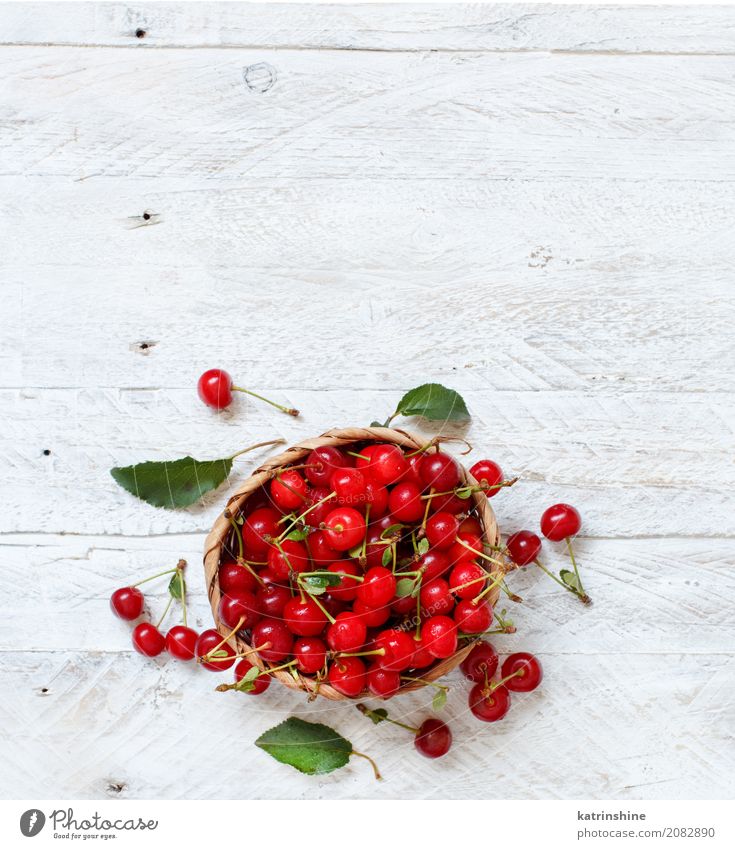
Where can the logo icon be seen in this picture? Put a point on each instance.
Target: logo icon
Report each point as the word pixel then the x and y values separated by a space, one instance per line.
pixel 31 822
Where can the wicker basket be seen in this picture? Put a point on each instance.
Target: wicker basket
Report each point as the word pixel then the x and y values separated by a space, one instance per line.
pixel 220 533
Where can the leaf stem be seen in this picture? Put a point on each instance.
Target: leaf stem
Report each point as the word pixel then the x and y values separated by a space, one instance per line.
pixel 376 771
pixel 365 710
pixel 582 594
pixel 153 577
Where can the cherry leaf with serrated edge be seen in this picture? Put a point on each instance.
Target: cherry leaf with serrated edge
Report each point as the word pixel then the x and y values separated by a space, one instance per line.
pixel 387 556
pixel 423 546
pixel 309 747
pixel 176 585
pixel 378 715
pixel 404 587
pixel 172 483
pixel 433 401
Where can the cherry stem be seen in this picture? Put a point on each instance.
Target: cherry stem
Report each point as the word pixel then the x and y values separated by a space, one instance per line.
pixel 289 487
pixel 320 606
pixel 165 612
pixel 497 582
pixel 582 594
pixel 484 577
pixel 153 577
pixel 306 512
pixel 561 583
pixel 426 512
pixel 511 595
pixel 427 683
pixel 376 771
pixel 208 656
pixel 381 652
pixel 470 488
pixel 358 578
pixel 358 455
pixel 365 710
pixel 495 684
pixel 479 553
pixel 506 629
pixel 288 410
pixel 183 593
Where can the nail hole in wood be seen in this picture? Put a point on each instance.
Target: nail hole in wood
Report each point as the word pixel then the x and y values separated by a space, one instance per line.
pixel 140 33
pixel 146 216
pixel 44 690
pixel 46 452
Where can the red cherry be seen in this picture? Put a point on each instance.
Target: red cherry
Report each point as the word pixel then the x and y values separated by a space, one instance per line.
pixel 127 603
pixel 489 474
pixel 434 738
pixel 413 472
pixel 421 656
pixel 346 589
pixel 350 486
pixel 215 388
pixel 439 635
pixel 322 463
pixel 470 525
pixel 473 618
pixel 403 606
pixel 441 530
pixel 399 648
pixel 404 502
pixel 373 617
pixel 321 553
pixel 288 491
pixel 271 599
pixel 344 528
pixel 378 587
pixel 433 564
pixel 376 496
pixel 310 654
pixel 527 669
pixel 260 684
pixel 481 663
pixel 375 546
pixel 317 515
pixel 239 610
pixel 347 633
pixel 261 523
pixel 436 598
pixel 470 577
pixel 304 617
pixel 148 640
pixel 275 632
pixel 208 640
pixel 181 642
pixel 451 503
pixel 292 556
pixel 382 682
pixel 388 464
pixel 439 472
pixel 347 676
pixel 560 521
pixel 487 705
pixel 523 547
pixel 235 578
pixel 458 552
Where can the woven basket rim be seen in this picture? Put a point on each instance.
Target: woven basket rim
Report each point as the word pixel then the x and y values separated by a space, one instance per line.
pixel 265 472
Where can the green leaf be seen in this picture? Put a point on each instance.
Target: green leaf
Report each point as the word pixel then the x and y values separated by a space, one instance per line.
pixel 439 700
pixel 247 683
pixel 298 534
pixel 376 424
pixel 317 584
pixel 464 493
pixel 570 579
pixel 356 552
pixel 387 556
pixel 433 401
pixel 176 585
pixel 378 715
pixel 172 483
pixel 390 531
pixel 309 747
pixel 404 587
pixel 423 546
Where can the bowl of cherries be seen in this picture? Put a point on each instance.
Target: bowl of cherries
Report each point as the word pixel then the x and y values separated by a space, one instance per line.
pixel 364 562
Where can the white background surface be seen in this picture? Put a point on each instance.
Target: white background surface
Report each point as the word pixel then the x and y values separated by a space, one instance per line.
pixel 533 205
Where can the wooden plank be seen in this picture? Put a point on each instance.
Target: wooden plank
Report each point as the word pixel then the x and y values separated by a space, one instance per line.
pixel 356 115
pixel 373 26
pixel 116 725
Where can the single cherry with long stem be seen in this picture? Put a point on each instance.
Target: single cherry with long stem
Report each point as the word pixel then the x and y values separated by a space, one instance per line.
pixel 215 388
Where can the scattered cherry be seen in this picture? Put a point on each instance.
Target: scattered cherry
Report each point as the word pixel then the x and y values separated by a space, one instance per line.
pixel 527 671
pixel 215 390
pixel 489 475
pixel 523 547
pixel 181 642
pixel 487 704
pixel 434 738
pixel 560 521
pixel 480 664
pixel 148 640
pixel 127 603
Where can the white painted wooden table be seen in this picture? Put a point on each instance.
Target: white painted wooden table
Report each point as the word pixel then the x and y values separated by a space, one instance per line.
pixel 533 205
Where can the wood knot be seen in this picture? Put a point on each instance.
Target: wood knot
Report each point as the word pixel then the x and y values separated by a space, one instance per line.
pixel 140 33
pixel 259 77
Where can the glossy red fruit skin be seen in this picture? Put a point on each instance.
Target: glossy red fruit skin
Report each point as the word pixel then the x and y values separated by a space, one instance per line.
pixel 470 525
pixel 403 606
pixel 421 657
pixel 470 574
pixel 413 470
pixel 376 496
pixel 260 684
pixel 350 486
pixel 239 610
pixel 388 464
pixel 560 521
pixel 206 643
pixel 382 682
pixel 347 675
pixel 148 640
pixel 373 617
pixel 523 547
pixel 433 564
pixel 235 578
pixel 374 548
pixel 347 633
pixel 181 642
pixel 532 672
pixel 320 552
pixel 441 530
pixel 215 388
pixel 480 662
pixel 304 617
pixel 436 598
pixel 489 707
pixel 344 528
pixel 473 618
pixel 434 738
pixel 275 632
pixel 458 552
pixel 377 588
pixel 271 600
pixel 488 473
pixel 259 524
pixel 289 491
pixel 292 556
pixel 317 515
pixel 449 504
pixel 346 589
pixel 405 504
pixel 310 654
pixel 439 472
pixel 439 635
pixel 127 603
pixel 322 462
pixel 399 649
